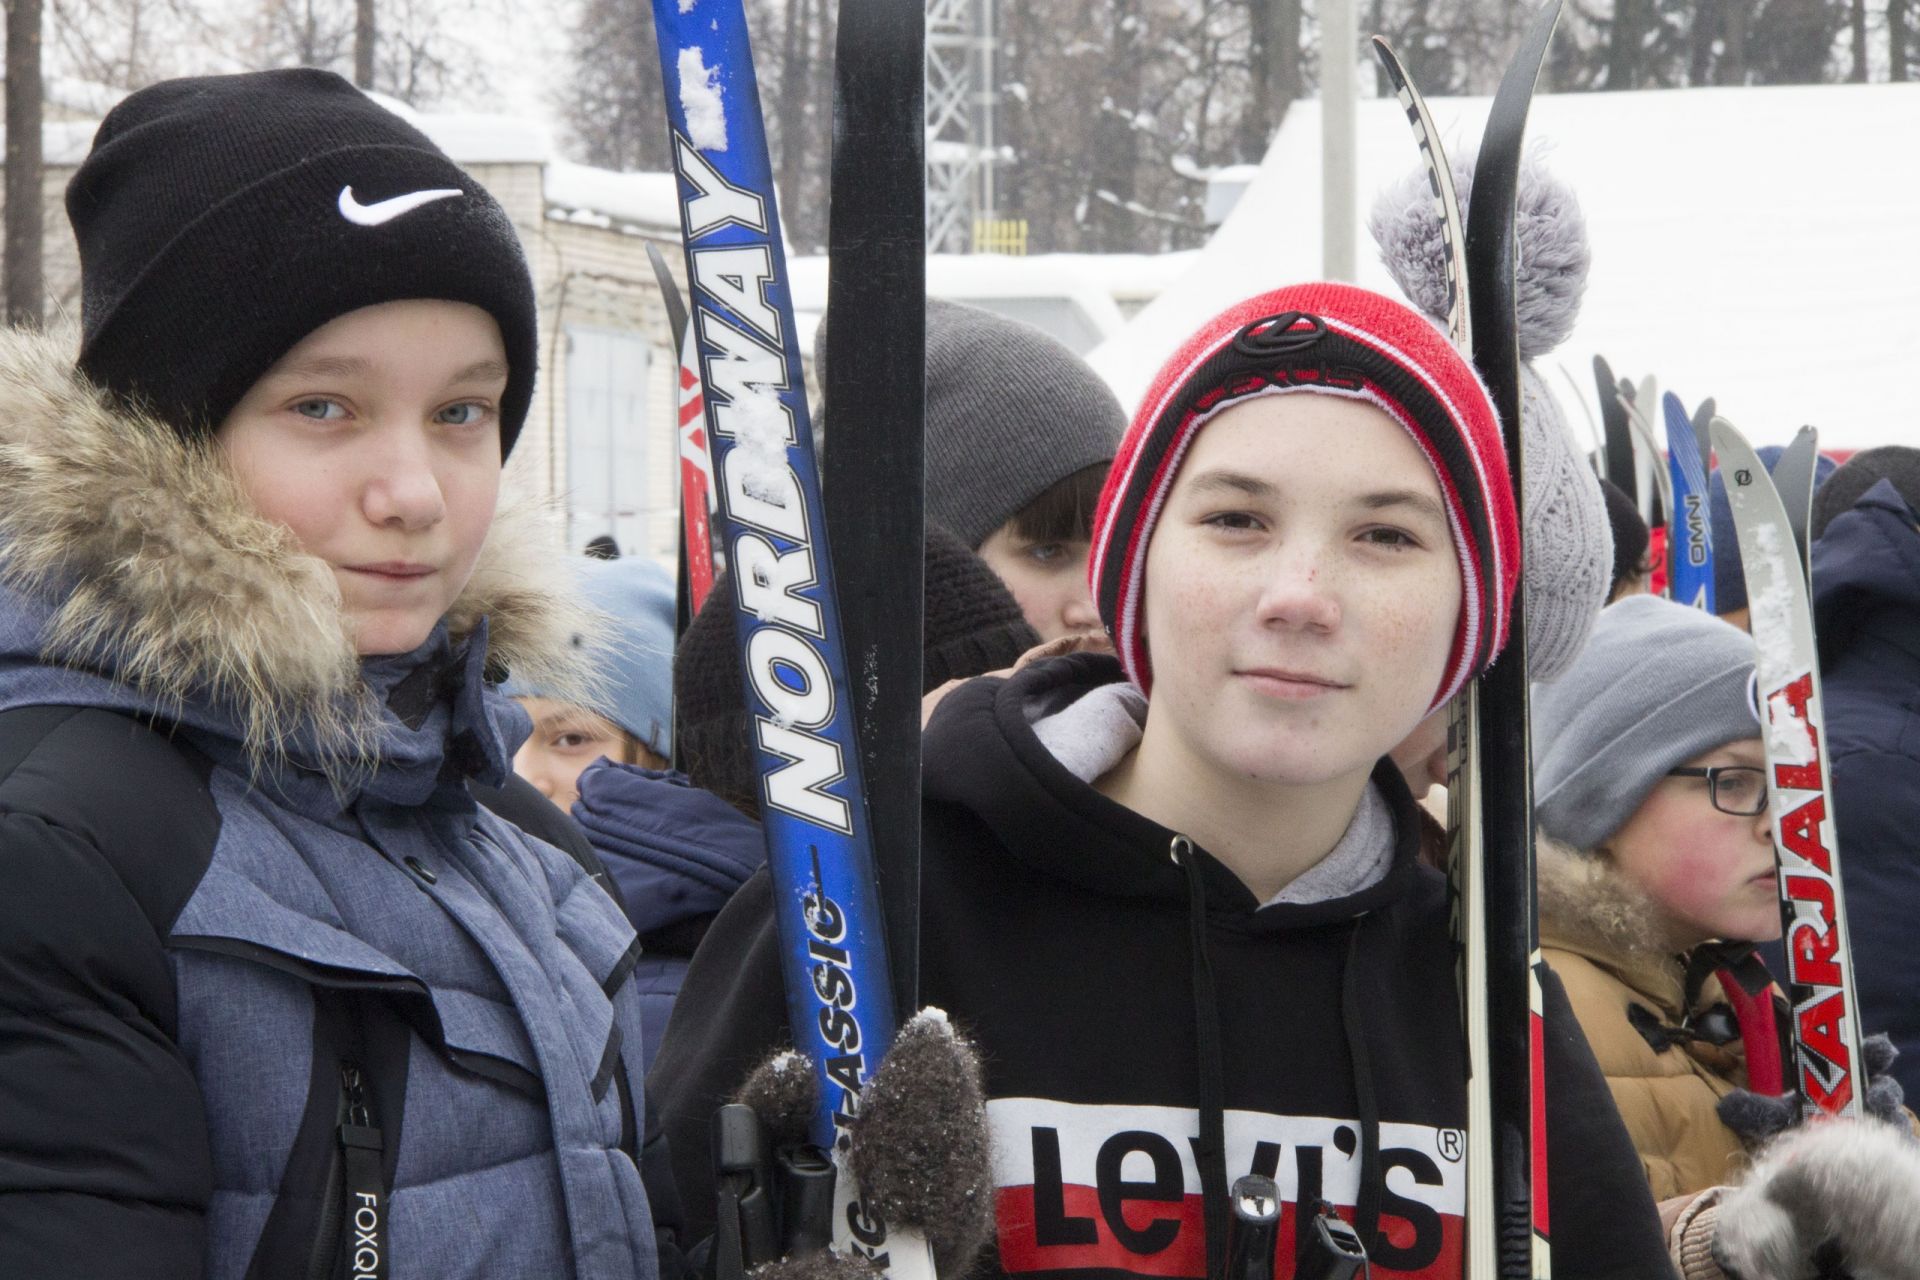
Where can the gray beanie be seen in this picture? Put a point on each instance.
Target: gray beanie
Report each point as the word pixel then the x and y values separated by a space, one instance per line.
pixel 1658 684
pixel 1567 540
pixel 1010 413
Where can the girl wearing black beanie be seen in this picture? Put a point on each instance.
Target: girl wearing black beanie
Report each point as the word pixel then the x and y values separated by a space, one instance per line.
pixel 283 997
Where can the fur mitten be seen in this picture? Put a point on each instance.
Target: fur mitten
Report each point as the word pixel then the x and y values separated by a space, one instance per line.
pixel 918 1146
pixel 1831 1199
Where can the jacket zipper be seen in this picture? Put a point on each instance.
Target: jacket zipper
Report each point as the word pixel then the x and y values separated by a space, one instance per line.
pixel 363 1216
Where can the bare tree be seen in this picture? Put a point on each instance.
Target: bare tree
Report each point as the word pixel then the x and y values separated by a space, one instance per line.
pixel 365 41
pixel 26 284
pixel 611 102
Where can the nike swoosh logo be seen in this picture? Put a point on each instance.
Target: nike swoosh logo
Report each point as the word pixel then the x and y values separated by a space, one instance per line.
pixel 372 215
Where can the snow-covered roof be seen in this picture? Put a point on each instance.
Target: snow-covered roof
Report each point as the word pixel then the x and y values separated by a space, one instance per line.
pixel 643 201
pixel 476 137
pixel 1754 245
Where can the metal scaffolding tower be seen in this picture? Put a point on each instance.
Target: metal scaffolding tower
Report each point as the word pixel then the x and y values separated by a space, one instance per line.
pixel 960 101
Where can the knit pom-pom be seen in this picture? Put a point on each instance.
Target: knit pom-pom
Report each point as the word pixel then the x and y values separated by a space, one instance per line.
pixel 1554 253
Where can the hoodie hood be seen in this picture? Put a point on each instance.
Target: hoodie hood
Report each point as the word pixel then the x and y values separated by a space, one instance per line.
pixel 981 752
pixel 1866 576
pixel 677 852
pixel 135 576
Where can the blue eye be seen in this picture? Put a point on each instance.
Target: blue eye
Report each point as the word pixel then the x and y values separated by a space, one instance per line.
pixel 465 414
pixel 318 409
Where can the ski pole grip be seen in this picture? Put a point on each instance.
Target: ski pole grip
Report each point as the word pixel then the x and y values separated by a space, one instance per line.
pixel 805 1178
pixel 744 1228
pixel 1332 1249
pixel 1256 1227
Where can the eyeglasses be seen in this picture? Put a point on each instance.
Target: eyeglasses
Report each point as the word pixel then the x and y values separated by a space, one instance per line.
pixel 1738 789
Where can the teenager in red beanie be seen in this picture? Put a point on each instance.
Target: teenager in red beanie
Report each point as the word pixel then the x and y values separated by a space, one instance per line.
pixel 1177 896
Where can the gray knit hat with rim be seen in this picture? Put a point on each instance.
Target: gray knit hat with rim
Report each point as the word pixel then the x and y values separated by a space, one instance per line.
pixel 1010 413
pixel 1658 684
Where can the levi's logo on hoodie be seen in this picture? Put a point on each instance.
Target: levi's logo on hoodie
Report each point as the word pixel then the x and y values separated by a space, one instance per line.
pixel 1082 1187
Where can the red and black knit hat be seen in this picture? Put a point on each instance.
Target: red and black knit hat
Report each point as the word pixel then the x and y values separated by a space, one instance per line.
pixel 1332 339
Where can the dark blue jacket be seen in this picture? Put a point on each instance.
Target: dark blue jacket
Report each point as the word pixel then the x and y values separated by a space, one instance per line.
pixel 677 854
pixel 1866 600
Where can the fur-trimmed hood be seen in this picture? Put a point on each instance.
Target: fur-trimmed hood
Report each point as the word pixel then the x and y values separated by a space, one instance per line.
pixel 135 575
pixel 1588 907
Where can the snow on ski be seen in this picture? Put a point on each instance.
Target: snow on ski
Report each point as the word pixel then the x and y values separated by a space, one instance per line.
pixel 1829 1073
pixel 826 905
pixel 1515 1065
pixel 1690 527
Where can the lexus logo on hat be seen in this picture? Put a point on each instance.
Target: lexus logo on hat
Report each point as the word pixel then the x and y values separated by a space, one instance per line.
pixel 372 215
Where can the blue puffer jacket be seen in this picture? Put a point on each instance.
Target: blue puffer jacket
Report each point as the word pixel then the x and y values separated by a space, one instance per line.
pixel 677 854
pixel 1866 585
pixel 227 957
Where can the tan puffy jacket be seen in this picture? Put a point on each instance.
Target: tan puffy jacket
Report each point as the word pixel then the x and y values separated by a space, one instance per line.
pixel 1595 933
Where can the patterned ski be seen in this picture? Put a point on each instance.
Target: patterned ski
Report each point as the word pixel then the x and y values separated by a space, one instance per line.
pixel 1690 539
pixel 793 662
pixel 1515 1066
pixel 696 467
pixel 1828 1070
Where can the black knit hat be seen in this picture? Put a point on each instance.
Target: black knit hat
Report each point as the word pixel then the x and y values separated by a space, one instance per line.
pixel 221 219
pixel 972 626
pixel 1846 486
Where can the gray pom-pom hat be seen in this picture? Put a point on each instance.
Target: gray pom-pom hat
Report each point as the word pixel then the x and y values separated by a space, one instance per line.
pixel 1566 540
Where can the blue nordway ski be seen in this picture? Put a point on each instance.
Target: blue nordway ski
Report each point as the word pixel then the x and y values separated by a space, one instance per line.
pixel 833 947
pixel 1690 536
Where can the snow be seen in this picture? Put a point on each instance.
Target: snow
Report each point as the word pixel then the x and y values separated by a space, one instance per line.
pixel 1755 245
pixel 700 100
pixel 600 197
pixel 759 454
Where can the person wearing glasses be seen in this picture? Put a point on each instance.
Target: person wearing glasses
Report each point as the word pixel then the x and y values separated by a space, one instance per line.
pixel 1657 876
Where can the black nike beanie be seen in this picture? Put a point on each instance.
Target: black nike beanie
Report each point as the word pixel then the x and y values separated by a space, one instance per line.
pixel 222 219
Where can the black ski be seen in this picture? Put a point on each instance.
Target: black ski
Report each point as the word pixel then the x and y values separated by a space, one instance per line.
pixel 677 326
pixel 1793 478
pixel 874 389
pixel 1506 791
pixel 1619 433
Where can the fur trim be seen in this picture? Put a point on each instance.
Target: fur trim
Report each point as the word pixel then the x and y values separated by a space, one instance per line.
pixel 174 585
pixel 1585 901
pixel 1552 234
pixel 1832 1194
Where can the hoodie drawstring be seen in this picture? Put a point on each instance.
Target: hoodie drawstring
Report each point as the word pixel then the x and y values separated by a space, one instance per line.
pixel 1210 1153
pixel 1366 1211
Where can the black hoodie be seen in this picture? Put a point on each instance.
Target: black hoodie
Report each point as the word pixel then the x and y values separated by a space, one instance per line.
pixel 1150 1030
